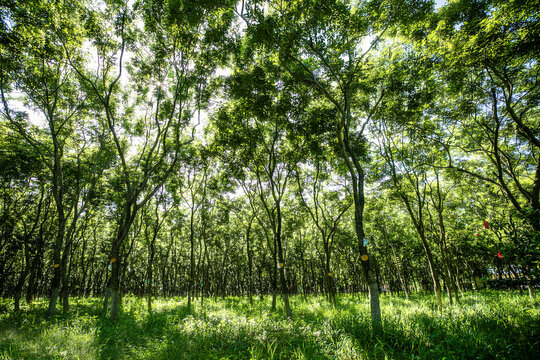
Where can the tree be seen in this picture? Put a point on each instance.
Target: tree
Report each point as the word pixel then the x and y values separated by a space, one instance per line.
pixel 168 73
pixel 325 207
pixel 25 206
pixel 320 44
pixel 410 180
pixel 486 53
pixel 43 75
pixel 260 115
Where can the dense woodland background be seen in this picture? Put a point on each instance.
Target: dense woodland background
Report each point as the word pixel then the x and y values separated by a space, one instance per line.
pixel 216 147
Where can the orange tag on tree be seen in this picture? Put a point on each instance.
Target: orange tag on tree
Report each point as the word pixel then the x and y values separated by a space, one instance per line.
pixel 113 260
pixel 364 257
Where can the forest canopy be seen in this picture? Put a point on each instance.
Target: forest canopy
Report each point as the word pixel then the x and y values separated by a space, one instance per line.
pixel 219 147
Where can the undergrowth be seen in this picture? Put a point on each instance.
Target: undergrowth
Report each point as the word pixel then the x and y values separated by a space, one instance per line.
pixel 487 325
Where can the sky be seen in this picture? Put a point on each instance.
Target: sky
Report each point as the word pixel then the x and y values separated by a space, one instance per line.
pixel 439 3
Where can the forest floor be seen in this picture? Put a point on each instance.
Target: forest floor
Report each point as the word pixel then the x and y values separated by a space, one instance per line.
pixel 486 325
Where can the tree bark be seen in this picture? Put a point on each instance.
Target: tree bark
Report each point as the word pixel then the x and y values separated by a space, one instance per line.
pixel 356 173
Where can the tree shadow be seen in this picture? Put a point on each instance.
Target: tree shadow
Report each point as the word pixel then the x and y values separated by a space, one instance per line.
pixel 232 329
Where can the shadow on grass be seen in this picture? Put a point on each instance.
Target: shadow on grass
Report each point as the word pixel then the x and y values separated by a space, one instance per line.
pixel 186 334
pixel 477 337
pixel 231 329
pixel 134 332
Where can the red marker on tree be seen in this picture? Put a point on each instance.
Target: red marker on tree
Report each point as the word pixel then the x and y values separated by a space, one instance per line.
pixel 486 224
pixel 499 255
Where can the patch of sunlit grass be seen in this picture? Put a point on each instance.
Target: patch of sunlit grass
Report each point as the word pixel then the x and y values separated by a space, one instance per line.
pixel 483 325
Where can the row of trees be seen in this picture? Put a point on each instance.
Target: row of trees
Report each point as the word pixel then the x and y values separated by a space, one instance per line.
pixel 360 147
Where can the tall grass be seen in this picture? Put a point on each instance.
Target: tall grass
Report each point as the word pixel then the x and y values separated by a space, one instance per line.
pixel 488 325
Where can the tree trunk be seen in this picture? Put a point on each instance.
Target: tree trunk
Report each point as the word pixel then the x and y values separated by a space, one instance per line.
pixel 529 285
pixel 18 288
pixel 433 272
pixel 116 263
pixel 106 299
pixel 150 279
pixel 420 228
pixel 368 269
pixel 438 203
pixel 65 274
pixel 115 282
pixel 356 173
pixel 57 270
pixel 329 276
pixel 191 256
pixel 284 288
pixel 250 261
pixel 400 275
pixel 33 278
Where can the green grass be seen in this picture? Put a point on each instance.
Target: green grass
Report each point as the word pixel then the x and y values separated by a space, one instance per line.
pixel 489 325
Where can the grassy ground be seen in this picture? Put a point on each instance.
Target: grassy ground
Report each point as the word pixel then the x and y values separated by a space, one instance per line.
pixel 489 325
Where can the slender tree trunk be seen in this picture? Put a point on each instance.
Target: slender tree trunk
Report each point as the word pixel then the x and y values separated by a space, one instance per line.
pixel 90 283
pixel 115 282
pixel 20 283
pixel 84 269
pixel 447 286
pixel 400 275
pixel 65 291
pixel 191 255
pixel 205 278
pixel 65 273
pixel 32 280
pixel 29 262
pixel 433 272
pixel 356 173
pixel 116 262
pixel 284 288
pixel 273 273
pixel 329 276
pixel 57 269
pixel 150 277
pixel 367 263
pixel 438 204
pixel 368 269
pixel 166 270
pixel 250 261
pixel 419 225
pixel 107 297
pixel 261 292
pixel 529 285
pixel 58 195
pixel 459 281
